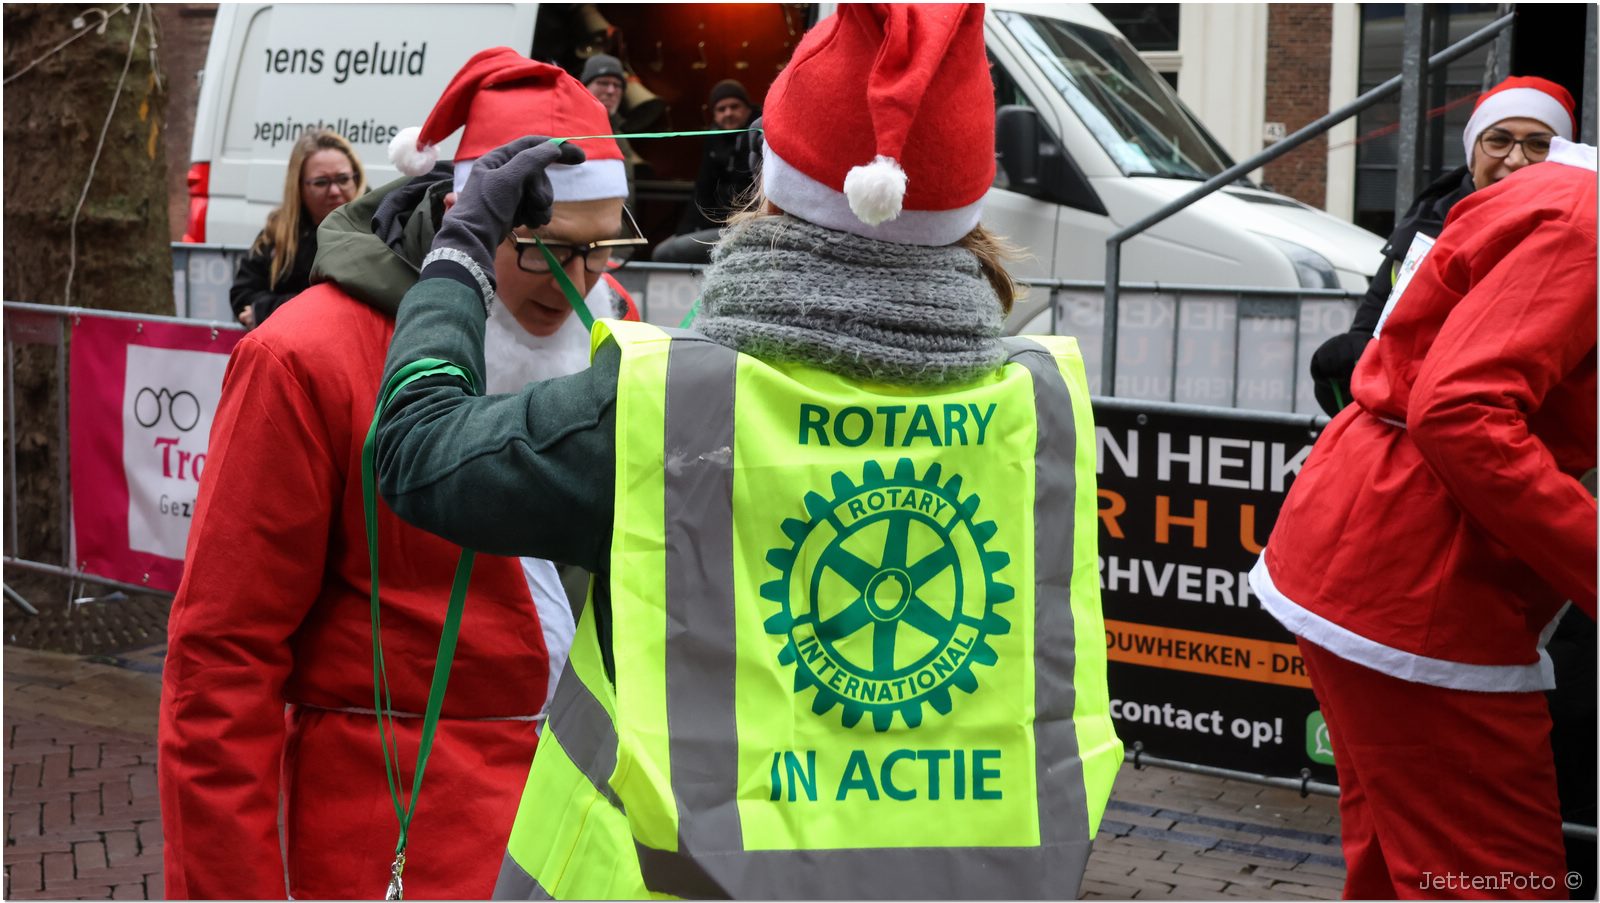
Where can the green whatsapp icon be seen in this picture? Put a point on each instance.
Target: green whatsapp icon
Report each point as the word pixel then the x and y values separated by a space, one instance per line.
pixel 1319 747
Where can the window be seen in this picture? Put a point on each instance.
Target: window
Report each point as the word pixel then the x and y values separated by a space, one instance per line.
pixel 1449 105
pixel 1132 112
pixel 1147 26
pixel 1152 29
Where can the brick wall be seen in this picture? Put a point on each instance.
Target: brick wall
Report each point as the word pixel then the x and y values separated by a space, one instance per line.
pixel 185 35
pixel 1298 40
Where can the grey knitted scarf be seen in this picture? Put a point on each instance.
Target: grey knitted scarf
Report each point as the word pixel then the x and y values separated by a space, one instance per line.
pixel 783 289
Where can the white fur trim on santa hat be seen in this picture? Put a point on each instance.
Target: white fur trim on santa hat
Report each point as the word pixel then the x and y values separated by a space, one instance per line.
pixel 591 180
pixel 408 157
pixel 1515 103
pixel 814 202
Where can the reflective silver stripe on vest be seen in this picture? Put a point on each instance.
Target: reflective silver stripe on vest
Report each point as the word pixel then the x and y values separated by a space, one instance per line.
pixel 710 862
pixel 516 884
pixel 698 478
pixel 901 873
pixel 586 733
pixel 1063 803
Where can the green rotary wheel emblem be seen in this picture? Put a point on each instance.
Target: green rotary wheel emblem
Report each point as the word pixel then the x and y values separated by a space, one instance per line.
pixel 887 596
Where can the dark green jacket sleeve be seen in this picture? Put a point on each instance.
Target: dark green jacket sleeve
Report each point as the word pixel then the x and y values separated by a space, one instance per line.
pixel 528 474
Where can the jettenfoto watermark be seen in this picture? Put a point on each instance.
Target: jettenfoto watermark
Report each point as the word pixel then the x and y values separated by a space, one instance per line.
pixel 1503 881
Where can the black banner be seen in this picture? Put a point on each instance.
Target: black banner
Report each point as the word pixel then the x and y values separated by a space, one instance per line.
pixel 1199 672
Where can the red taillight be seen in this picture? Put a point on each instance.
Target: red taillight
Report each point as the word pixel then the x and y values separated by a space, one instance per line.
pixel 194 231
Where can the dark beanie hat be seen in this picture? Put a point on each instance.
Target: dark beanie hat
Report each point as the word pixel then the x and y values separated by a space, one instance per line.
pixel 728 87
pixel 599 65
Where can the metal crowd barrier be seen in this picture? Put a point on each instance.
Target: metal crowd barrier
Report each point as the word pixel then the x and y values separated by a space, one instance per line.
pixel 1304 785
pixel 1411 77
pixel 1237 347
pixel 49 325
pixel 1234 347
pixel 201 277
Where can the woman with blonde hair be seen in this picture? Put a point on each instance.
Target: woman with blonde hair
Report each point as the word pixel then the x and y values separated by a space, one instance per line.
pixel 323 174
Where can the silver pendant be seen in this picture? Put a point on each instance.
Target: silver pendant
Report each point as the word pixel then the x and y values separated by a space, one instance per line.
pixel 397 889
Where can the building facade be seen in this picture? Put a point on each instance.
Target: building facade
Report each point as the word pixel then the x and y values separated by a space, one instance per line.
pixel 1256 72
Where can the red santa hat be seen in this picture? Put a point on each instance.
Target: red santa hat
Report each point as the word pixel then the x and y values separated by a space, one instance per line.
pixel 1521 97
pixel 905 154
pixel 500 96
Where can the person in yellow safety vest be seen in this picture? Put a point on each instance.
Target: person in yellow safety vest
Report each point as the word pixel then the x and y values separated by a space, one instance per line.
pixel 844 638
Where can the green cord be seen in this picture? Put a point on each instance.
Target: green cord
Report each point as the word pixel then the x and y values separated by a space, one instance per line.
pixel 636 135
pixel 382 701
pixel 689 318
pixel 574 297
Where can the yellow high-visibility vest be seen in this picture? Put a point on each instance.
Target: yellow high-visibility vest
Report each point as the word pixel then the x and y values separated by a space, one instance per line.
pixel 856 647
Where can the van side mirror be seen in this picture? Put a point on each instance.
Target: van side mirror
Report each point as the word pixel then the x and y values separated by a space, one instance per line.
pixel 1016 143
pixel 1036 164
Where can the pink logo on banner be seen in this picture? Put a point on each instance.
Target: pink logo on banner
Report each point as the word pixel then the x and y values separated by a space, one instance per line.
pixel 142 398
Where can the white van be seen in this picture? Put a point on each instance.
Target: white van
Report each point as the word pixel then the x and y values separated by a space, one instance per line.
pixel 1089 137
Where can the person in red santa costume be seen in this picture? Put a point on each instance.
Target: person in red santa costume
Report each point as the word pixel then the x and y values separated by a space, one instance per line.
pixel 1436 534
pixel 267 698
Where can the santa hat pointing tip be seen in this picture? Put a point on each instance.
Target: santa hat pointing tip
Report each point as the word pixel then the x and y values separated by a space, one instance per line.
pixel 909 151
pixel 500 96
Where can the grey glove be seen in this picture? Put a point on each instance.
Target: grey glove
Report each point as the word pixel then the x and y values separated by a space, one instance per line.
pixel 508 188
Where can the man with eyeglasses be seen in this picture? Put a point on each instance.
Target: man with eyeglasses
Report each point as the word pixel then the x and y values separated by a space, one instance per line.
pixel 268 688
pixel 1511 126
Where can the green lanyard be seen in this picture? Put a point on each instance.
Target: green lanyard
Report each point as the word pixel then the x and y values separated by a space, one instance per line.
pixel 635 135
pixel 382 702
pixel 574 297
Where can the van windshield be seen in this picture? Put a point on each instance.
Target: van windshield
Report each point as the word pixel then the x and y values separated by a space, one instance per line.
pixel 1127 107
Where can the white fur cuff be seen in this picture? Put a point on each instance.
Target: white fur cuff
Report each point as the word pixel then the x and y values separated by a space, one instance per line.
pixel 461 257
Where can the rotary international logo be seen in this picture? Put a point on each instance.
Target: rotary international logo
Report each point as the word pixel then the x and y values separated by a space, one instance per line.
pixel 887 595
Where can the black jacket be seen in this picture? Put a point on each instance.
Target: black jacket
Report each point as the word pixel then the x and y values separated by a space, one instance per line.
pixel 725 174
pixel 1336 359
pixel 252 285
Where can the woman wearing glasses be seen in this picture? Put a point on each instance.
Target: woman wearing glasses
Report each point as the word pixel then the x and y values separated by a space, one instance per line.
pixel 323 173
pixel 1511 127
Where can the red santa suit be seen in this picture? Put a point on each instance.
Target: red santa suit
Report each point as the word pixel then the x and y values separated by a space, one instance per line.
pixel 267 690
pixel 268 677
pixel 1438 528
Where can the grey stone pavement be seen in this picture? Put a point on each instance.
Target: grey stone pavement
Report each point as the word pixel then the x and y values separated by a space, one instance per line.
pixel 83 819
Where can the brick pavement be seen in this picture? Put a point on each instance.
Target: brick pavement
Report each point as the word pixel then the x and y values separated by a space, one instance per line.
pixel 1171 835
pixel 82 816
pixel 83 822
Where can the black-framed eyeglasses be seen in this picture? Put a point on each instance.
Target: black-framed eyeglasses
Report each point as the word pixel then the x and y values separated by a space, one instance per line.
pixel 598 256
pixel 1498 143
pixel 323 183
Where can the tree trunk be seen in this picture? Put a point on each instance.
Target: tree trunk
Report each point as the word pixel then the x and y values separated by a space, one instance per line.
pixel 85 212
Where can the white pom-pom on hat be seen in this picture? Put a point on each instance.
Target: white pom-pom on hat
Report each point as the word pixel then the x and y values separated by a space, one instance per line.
pixel 876 191
pixel 408 157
